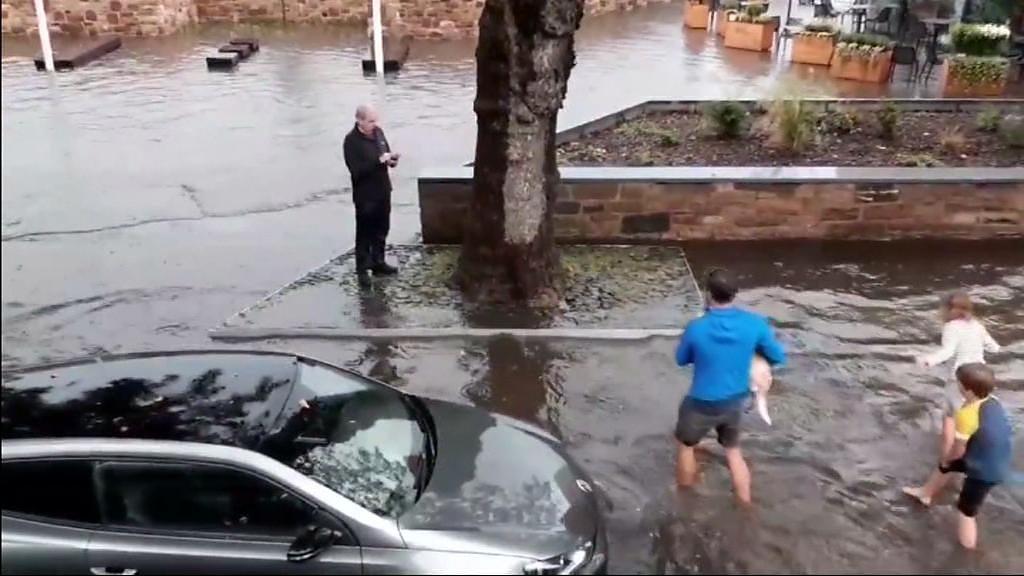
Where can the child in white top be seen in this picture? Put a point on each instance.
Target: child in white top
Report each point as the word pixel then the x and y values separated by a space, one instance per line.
pixel 964 340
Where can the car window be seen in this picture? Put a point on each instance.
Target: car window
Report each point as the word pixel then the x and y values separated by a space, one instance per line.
pixel 198 497
pixel 60 490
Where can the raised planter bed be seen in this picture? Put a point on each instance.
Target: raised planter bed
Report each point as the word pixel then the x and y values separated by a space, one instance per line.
pixel 631 185
pixel 753 36
pixel 958 85
pixel 874 68
pixel 696 15
pixel 813 49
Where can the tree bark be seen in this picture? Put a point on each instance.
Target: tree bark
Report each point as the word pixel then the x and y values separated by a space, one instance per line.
pixel 524 56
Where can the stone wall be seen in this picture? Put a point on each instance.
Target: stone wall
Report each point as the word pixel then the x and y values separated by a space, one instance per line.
pixel 416 18
pixel 607 205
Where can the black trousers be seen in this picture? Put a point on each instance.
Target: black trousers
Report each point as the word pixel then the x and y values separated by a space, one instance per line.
pixel 373 222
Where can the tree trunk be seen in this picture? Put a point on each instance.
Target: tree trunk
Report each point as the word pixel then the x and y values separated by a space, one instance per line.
pixel 524 56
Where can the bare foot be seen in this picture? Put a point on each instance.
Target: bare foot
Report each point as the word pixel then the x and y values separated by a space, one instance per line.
pixel 918 494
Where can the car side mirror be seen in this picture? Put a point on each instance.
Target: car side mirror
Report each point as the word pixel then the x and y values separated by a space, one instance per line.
pixel 311 543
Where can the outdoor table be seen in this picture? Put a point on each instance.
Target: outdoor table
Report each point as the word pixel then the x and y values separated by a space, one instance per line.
pixel 935 26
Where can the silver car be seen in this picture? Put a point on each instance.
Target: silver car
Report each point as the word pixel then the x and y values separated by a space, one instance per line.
pixel 266 463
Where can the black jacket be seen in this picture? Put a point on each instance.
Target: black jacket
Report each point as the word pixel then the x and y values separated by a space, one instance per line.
pixel 370 180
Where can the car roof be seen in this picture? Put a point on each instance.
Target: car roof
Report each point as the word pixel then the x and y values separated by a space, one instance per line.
pixel 212 396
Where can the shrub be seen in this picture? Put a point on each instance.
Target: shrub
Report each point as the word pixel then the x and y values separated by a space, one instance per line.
pixel 729 5
pixel 868 45
pixel 888 118
pixel 952 140
pixel 726 119
pixel 1011 129
pixel 989 119
pixel 838 122
pixel 977 70
pixel 792 124
pixel 819 28
pixel 754 13
pixel 980 39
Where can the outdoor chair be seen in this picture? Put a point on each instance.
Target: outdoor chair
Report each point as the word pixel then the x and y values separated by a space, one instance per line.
pixel 825 9
pixel 904 56
pixel 884 16
pixel 931 61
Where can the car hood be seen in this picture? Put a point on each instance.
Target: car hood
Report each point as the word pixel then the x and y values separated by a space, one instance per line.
pixel 499 486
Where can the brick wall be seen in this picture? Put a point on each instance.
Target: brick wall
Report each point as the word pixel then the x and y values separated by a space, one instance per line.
pixel 416 18
pixel 631 211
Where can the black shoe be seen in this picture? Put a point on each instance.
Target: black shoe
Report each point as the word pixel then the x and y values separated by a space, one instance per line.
pixel 384 269
pixel 364 280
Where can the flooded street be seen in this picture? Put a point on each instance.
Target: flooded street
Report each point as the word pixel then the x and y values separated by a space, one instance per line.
pixel 145 200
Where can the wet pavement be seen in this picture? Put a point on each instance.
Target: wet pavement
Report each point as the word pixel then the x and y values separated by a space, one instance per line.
pixel 145 200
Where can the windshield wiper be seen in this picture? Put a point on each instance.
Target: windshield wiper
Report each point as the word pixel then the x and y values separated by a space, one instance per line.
pixel 426 469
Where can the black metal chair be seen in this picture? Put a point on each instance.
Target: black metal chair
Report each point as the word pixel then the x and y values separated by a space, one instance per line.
pixel 884 16
pixel 904 56
pixel 933 59
pixel 825 9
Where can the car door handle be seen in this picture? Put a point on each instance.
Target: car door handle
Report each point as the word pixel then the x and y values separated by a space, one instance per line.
pixel 113 571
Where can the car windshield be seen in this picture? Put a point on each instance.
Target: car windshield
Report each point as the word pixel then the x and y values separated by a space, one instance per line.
pixel 362 440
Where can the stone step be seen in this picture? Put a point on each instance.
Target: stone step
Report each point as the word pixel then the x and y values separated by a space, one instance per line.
pixel 252 43
pixel 78 56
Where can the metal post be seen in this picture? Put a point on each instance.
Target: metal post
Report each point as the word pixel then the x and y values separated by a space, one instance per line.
pixel 44 35
pixel 378 38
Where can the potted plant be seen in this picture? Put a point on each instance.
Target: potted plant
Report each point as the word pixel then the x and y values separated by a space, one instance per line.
pixel 727 11
pixel 977 67
pixel 696 14
pixel 751 30
pixel 815 43
pixel 862 57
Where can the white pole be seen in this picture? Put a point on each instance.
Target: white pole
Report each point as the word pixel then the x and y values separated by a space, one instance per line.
pixel 378 38
pixel 44 35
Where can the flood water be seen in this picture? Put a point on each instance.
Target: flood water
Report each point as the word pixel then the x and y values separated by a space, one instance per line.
pixel 145 200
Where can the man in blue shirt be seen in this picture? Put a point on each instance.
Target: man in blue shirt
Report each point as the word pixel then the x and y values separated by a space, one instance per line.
pixel 721 345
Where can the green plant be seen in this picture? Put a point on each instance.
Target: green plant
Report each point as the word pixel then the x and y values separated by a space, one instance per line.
pixel 1011 129
pixel 819 28
pixel 888 118
pixel 754 13
pixel 838 122
pixel 923 160
pixel 952 140
pixel 729 5
pixel 792 124
pixel 867 45
pixel 989 119
pixel 980 39
pixel 726 119
pixel 978 70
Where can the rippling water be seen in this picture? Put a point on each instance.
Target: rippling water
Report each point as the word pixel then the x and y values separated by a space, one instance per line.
pixel 145 199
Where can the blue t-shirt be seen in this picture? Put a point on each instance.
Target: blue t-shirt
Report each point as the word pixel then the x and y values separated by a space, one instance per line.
pixel 990 448
pixel 721 345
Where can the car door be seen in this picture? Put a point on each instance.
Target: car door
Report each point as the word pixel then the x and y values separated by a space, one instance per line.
pixel 49 510
pixel 198 518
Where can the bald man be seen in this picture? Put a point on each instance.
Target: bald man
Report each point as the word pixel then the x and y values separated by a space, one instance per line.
pixel 369 157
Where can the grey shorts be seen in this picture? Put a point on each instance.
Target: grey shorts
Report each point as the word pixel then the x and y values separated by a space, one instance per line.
pixel 697 418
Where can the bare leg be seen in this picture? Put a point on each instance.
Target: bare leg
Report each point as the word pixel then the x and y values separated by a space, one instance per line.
pixel 967 531
pixel 948 436
pixel 933 486
pixel 686 466
pixel 740 474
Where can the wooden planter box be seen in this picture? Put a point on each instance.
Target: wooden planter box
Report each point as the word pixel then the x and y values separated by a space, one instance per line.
pixel 749 36
pixel 808 49
pixel 956 88
pixel 862 68
pixel 696 15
